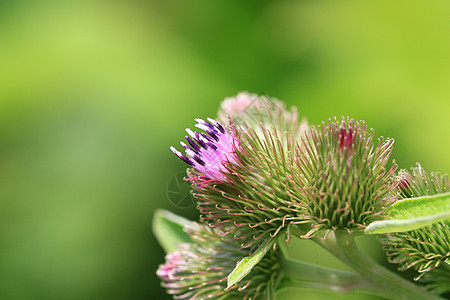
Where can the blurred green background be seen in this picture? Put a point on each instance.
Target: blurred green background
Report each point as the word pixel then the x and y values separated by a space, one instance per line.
pixel 93 93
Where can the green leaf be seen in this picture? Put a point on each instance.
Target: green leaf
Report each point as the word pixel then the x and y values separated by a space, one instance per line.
pixel 413 213
pixel 169 229
pixel 245 265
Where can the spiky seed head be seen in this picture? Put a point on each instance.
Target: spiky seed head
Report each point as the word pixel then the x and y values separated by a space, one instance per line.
pixel 255 110
pixel 347 182
pixel 261 194
pixel 428 247
pixel 199 270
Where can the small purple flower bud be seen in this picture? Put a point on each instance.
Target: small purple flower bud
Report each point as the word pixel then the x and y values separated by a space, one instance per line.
pixel 236 106
pixel 427 249
pixel 211 151
pixel 255 111
pixel 199 270
pixel 167 271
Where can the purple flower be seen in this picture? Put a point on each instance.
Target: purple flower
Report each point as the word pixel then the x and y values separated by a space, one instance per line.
pixel 209 152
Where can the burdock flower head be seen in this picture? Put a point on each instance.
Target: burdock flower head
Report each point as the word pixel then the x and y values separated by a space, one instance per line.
pixel 243 176
pixel 428 247
pixel 347 184
pixel 209 152
pixel 261 195
pixel 199 270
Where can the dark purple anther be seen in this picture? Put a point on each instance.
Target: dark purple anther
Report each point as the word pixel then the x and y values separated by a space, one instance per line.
pixel 220 127
pixel 207 138
pixel 199 160
pixel 213 135
pixel 194 146
pixel 181 156
pixel 200 140
pixel 212 146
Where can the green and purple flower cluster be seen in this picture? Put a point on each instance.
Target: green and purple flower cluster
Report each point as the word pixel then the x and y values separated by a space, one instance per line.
pixel 262 176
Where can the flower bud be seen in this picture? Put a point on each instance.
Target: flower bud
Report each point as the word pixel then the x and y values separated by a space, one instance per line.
pixel 254 111
pixel 199 270
pixel 428 247
pixel 346 183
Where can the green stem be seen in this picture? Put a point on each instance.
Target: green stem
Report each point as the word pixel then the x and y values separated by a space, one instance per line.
pixel 378 279
pixel 303 275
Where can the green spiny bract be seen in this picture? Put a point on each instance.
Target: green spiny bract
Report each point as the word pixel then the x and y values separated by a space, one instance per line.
pixel 261 193
pixel 199 270
pixel 428 247
pixel 346 183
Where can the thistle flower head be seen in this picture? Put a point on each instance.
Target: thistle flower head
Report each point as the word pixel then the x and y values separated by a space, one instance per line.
pixel 254 110
pixel 199 270
pixel 262 194
pixel 428 247
pixel 210 151
pixel 347 185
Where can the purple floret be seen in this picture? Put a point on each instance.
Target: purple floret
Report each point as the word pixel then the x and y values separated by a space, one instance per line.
pixel 208 152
